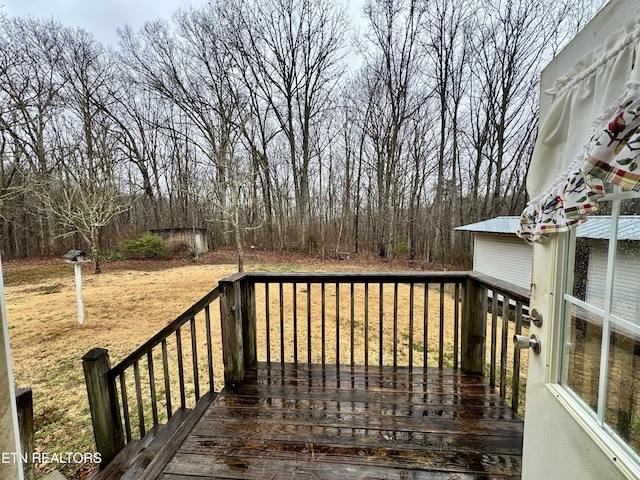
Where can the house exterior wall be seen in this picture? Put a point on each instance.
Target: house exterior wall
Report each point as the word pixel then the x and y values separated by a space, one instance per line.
pixel 503 256
pixel 556 442
pixel 9 467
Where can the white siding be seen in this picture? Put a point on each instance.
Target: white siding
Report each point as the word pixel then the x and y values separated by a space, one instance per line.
pixel 627 265
pixel 503 256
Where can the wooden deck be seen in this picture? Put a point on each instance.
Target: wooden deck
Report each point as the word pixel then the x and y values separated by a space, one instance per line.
pixel 315 422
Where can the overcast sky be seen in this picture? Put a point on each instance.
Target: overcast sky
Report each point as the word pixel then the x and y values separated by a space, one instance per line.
pixel 103 17
pixel 100 17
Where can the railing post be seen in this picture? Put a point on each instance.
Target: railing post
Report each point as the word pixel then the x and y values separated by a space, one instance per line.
pixel 249 329
pixel 107 426
pixel 231 318
pixel 474 328
pixel 24 404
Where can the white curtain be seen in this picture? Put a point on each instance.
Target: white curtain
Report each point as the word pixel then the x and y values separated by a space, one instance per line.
pixel 590 136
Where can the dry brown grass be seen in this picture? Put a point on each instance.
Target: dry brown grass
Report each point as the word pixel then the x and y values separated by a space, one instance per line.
pixel 129 303
pixel 124 306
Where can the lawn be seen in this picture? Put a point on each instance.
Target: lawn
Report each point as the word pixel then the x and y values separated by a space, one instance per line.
pixel 124 306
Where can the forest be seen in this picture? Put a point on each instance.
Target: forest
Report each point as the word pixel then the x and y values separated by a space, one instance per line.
pixel 276 124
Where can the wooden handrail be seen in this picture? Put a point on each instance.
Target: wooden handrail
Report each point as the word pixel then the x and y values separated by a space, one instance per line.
pixel 110 404
pixel 165 332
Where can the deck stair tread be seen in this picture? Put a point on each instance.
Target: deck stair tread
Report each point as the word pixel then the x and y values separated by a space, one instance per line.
pixel 138 454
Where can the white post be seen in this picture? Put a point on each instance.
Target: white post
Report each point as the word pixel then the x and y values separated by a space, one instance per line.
pixel 10 438
pixel 78 270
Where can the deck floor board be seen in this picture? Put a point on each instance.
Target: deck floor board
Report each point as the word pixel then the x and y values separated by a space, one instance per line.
pixel 328 422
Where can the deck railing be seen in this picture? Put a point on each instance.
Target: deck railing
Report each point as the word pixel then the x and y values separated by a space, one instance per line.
pixel 507 307
pixel 415 319
pixel 441 319
pixel 166 374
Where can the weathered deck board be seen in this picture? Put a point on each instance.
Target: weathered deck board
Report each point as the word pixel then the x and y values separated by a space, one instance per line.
pixel 309 421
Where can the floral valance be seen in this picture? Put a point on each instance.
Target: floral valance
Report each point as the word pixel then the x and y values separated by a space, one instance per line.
pixel 576 156
pixel 612 155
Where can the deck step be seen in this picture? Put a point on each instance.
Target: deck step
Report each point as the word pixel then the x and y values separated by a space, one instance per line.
pixel 138 454
pixel 154 468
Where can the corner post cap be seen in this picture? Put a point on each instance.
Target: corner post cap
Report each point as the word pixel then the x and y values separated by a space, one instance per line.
pixel 95 354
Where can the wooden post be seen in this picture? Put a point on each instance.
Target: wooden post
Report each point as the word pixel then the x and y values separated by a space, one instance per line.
pixel 231 321
pixel 107 425
pixel 474 328
pixel 24 403
pixel 249 329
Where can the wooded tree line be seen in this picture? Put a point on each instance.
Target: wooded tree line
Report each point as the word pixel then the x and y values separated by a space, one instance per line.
pixel 283 124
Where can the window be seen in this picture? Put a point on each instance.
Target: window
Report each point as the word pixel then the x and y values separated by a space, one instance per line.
pixel 601 330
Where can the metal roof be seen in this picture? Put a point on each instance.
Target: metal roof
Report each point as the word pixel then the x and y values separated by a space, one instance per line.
pixel 596 227
pixel 494 225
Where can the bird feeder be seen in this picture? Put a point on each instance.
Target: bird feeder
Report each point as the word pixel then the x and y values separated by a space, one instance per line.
pixel 77 258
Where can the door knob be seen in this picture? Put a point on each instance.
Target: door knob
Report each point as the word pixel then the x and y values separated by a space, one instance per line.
pixel 520 342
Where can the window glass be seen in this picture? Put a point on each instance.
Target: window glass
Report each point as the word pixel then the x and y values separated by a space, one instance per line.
pixel 623 386
pixel 583 336
pixel 601 332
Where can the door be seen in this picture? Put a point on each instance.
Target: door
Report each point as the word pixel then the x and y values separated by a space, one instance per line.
pixel 581 415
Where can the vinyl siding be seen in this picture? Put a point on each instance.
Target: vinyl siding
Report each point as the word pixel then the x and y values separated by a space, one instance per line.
pixel 503 256
pixel 625 293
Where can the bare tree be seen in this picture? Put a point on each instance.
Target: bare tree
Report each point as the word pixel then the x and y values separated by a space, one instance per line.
pixel 446 45
pixel 88 196
pixel 293 50
pixel 30 85
pixel 392 80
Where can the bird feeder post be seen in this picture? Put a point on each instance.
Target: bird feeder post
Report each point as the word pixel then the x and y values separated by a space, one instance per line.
pixel 78 271
pixel 77 257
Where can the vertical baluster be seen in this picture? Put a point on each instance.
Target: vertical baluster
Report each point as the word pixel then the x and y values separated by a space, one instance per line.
pixel 295 323
pixel 207 323
pixel 515 388
pixel 183 400
pixel 366 324
pixel 425 333
pixel 395 324
pixel 136 374
pixel 504 346
pixel 167 380
pixel 268 322
pixel 125 406
pixel 309 335
pixel 323 317
pixel 456 325
pixel 494 338
pixel 441 337
pixel 411 300
pixel 152 388
pixel 194 359
pixel 337 325
pixel 281 307
pixel 353 316
pixel 381 329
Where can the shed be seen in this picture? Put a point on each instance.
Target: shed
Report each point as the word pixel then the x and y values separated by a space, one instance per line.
pixel 195 238
pixel 500 253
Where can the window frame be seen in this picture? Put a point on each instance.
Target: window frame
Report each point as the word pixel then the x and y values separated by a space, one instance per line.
pixel 621 454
